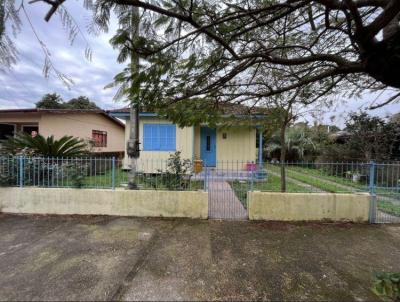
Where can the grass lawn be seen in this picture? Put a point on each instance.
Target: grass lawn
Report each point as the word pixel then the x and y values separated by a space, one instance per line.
pixel 272 184
pixel 156 182
pixel 331 186
pixel 389 207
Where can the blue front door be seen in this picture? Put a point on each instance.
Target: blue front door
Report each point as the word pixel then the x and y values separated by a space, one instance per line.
pixel 208 146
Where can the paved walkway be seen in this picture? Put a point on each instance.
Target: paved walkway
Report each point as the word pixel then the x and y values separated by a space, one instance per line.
pixel 223 202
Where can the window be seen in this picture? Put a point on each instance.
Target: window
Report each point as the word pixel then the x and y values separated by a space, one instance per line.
pixel 32 130
pixel 6 130
pixel 159 137
pixel 208 143
pixel 99 138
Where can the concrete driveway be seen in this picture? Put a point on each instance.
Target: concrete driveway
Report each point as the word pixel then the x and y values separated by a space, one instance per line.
pixel 107 258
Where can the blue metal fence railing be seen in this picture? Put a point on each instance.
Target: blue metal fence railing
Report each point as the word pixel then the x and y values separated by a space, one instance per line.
pixel 381 180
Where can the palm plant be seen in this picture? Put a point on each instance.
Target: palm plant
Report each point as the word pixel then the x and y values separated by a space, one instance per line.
pixel 66 146
pixel 297 143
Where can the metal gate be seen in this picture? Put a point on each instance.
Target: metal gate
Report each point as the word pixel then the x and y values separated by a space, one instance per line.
pixel 384 187
pixel 227 192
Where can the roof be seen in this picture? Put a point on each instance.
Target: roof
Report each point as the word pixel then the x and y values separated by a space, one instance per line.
pixel 226 108
pixel 63 111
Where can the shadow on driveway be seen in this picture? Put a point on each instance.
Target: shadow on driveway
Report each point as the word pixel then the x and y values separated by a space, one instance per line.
pixel 108 258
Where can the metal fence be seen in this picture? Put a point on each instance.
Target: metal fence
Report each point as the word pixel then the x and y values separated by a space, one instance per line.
pixel 93 172
pixel 227 183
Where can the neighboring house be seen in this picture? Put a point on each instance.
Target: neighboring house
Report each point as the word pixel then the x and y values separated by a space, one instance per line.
pixel 106 133
pixel 214 146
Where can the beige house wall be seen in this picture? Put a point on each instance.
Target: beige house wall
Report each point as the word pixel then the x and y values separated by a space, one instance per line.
pixel 152 161
pixel 20 118
pixel 197 142
pixel 81 125
pixel 75 124
pixel 239 145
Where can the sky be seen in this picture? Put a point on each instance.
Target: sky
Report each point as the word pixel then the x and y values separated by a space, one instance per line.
pixel 25 84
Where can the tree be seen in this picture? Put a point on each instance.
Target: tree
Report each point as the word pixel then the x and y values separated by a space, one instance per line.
pixel 205 48
pixel 51 101
pixel 55 101
pixel 373 138
pixel 298 143
pixel 81 102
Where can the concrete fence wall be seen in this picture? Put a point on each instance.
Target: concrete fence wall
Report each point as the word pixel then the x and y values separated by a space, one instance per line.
pixel 141 203
pixel 308 206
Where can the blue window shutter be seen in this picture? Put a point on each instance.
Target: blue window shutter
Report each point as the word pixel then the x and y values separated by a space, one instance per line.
pixel 147 137
pixel 159 137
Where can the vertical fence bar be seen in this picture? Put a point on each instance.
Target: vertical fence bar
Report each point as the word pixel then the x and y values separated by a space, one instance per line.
pixel 373 205
pixel 113 173
pixel 205 177
pixel 21 171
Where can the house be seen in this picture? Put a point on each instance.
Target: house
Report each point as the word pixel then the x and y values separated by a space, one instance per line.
pixel 216 147
pixel 105 132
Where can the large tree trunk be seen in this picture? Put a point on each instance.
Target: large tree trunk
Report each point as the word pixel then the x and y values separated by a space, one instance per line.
pixel 283 158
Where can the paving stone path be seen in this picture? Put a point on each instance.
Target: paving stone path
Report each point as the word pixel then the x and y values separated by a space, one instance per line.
pixel 223 202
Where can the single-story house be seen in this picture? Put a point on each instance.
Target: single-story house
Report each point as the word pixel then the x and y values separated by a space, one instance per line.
pixel 104 131
pixel 216 147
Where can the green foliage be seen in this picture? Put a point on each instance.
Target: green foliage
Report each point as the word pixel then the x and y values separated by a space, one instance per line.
pixel 367 138
pixel 389 207
pixel 55 101
pixel 78 175
pixel 177 174
pixel 81 102
pixel 7 179
pixel 51 101
pixel 387 285
pixel 24 143
pixel 298 143
pixel 373 137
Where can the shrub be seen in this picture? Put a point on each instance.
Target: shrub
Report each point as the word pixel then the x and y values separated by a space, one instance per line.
pixel 387 285
pixel 176 176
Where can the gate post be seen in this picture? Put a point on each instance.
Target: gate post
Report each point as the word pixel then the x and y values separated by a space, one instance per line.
pixel 371 188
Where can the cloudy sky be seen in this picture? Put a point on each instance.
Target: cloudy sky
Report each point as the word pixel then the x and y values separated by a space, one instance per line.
pixel 25 84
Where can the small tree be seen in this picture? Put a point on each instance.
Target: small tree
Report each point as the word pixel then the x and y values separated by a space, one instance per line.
pixel 177 170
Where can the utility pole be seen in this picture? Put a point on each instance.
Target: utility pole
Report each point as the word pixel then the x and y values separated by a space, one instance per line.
pixel 133 145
